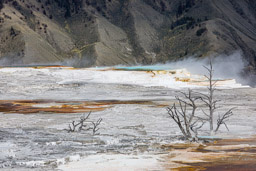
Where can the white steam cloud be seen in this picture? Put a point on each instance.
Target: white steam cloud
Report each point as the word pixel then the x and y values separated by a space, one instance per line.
pixel 225 66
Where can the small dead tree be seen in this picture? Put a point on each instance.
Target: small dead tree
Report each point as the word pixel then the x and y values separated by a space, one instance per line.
pixel 95 128
pixel 84 125
pixel 184 114
pixel 80 125
pixel 72 127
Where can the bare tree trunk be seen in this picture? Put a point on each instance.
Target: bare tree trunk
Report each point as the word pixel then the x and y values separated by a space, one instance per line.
pixel 209 99
pixel 211 103
pixel 211 90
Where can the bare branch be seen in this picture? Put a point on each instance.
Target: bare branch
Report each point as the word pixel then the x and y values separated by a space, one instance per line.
pixel 205 113
pixel 95 126
pixel 181 115
pixel 222 119
pixel 83 124
pixel 208 69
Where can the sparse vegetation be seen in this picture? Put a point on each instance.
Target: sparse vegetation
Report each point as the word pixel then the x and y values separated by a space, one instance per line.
pixel 84 125
pixel 179 35
pixel 12 32
pixel 15 3
pixel 126 22
pixel 184 7
pixel 70 6
pixel 163 6
pixel 188 22
pixel 200 31
pixel 1 4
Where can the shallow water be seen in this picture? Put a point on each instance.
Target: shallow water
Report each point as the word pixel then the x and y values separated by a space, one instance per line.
pixel 147 68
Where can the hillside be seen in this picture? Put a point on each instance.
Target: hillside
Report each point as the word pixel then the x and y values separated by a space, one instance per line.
pixel 110 32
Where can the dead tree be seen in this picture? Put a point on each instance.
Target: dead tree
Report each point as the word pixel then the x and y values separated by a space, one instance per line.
pixel 95 128
pixel 80 125
pixel 184 114
pixel 84 125
pixel 208 99
pixel 211 103
pixel 72 127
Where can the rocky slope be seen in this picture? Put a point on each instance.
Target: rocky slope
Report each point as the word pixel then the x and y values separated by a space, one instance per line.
pixel 110 32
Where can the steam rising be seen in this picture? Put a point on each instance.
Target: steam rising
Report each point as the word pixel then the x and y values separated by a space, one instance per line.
pixel 225 66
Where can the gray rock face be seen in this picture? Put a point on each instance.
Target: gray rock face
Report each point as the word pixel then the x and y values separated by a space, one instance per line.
pixel 99 33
